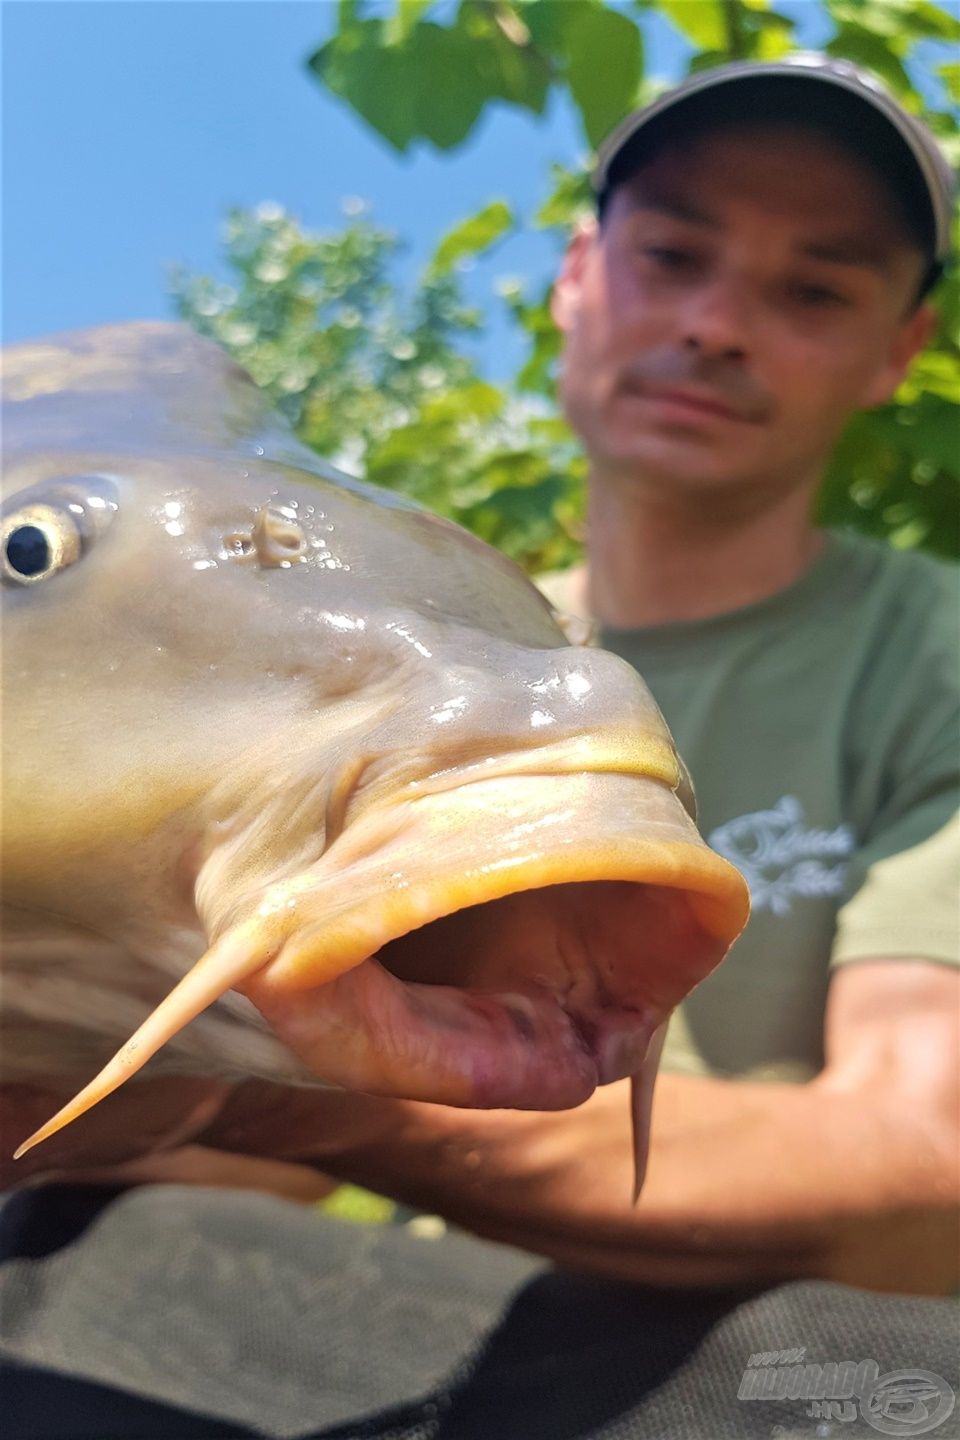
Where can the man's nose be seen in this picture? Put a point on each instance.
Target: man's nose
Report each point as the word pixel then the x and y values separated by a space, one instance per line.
pixel 717 320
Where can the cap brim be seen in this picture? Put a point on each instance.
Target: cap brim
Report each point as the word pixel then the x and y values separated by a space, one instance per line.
pixel 793 77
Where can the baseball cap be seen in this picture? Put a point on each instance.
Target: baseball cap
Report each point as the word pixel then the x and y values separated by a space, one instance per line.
pixel 835 95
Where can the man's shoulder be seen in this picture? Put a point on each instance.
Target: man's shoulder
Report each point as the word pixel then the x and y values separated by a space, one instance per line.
pixel 907 568
pixel 870 571
pixel 914 596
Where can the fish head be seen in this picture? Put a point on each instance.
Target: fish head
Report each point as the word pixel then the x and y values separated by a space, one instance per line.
pixel 332 742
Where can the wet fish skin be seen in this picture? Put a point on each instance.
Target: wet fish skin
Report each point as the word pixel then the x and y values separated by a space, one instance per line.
pixel 262 690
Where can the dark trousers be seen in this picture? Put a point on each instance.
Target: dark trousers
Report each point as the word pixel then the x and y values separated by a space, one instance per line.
pixel 180 1312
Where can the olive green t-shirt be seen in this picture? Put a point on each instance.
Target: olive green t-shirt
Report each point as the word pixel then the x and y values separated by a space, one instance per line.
pixel 822 730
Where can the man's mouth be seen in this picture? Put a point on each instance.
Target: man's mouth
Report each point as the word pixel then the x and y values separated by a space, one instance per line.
pixel 694 403
pixel 669 389
pixel 688 407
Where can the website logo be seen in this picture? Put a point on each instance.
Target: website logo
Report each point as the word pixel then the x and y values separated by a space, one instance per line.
pixel 902 1402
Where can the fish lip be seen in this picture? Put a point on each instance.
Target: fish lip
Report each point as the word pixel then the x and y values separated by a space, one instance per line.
pixel 617 1037
pixel 524 1048
pixel 377 781
pixel 477 845
pixel 288 912
pixel 586 1031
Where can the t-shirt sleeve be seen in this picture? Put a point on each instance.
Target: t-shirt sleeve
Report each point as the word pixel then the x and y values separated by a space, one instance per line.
pixel 908 903
pixel 904 879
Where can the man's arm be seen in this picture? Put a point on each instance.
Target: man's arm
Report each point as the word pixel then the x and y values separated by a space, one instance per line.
pixel 854 1176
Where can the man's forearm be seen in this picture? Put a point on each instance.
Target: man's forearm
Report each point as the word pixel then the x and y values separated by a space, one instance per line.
pixel 746 1183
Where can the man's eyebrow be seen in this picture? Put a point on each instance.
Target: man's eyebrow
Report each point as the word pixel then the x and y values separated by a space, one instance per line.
pixel 844 250
pixel 853 250
pixel 676 209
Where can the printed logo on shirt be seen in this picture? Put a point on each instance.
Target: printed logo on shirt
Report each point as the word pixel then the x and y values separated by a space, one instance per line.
pixel 782 858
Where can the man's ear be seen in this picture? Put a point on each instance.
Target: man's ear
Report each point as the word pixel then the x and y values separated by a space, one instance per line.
pixel 911 337
pixel 565 296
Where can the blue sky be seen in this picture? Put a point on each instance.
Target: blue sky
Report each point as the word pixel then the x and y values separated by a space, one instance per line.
pixel 131 126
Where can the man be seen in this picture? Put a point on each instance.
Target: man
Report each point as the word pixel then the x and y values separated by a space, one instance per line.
pixel 765 240
pixel 758 271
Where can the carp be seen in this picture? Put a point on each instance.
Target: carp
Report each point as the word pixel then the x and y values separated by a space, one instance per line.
pixel 295 761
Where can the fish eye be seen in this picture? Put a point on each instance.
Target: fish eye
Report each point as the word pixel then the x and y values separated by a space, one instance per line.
pixel 51 525
pixel 37 541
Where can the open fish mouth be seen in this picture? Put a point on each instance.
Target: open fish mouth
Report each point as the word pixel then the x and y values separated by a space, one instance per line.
pixel 545 1012
pixel 513 941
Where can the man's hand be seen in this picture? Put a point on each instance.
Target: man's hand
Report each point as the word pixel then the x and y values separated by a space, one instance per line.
pixel 155 1115
pixel 854 1176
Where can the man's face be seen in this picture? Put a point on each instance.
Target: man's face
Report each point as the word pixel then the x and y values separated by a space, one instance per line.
pixel 746 292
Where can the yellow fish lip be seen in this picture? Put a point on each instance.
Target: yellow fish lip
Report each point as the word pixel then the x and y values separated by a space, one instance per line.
pixel 417 930
pixel 442 848
pixel 387 902
pixel 650 757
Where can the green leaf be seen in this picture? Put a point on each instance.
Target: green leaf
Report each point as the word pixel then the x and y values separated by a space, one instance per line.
pixel 374 80
pixel 479 401
pixel 546 21
pixel 933 373
pixel 520 77
pixel 909 535
pixel 874 52
pixel 604 66
pixel 877 17
pixel 948 306
pixel 519 519
pixel 708 60
pixel 472 237
pixel 403 20
pixel 570 197
pixel 936 22
pixel 950 75
pixel 427 87
pixel 930 431
pixel 446 90
pixel 537 372
pixel 774 36
pixel 908 19
pixel 702 21
pixel 509 65
pixel 359 1207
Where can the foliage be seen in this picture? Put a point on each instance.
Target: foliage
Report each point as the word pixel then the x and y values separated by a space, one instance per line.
pixel 389 386
pixel 383 386
pixel 359 1207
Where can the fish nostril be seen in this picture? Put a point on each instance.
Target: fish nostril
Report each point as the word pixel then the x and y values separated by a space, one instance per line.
pixel 277 536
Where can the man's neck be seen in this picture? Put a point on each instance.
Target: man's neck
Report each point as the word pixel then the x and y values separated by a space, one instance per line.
pixel 652 562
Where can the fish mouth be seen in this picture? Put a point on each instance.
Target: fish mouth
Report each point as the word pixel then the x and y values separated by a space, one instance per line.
pixel 513 941
pixel 508 943
pixel 537 1030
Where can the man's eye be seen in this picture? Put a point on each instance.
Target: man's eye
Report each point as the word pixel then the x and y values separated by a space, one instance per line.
pixel 669 256
pixel 817 297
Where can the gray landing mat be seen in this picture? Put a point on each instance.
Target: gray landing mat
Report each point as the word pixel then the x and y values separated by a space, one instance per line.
pixel 182 1312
